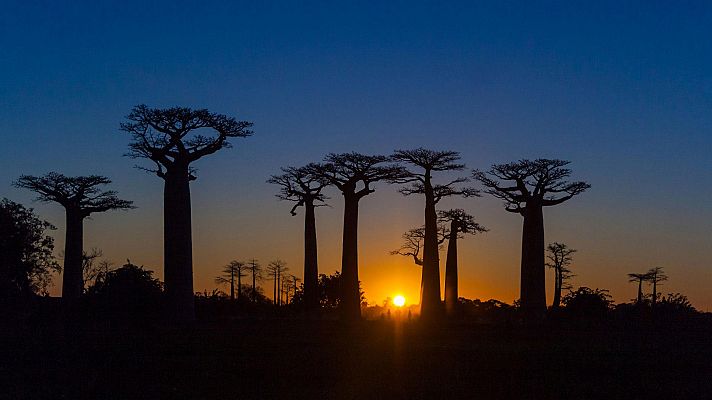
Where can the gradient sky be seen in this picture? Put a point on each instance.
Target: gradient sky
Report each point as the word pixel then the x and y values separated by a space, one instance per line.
pixel 622 89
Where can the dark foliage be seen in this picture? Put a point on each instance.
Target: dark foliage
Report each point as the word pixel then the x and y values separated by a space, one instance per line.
pixel 26 261
pixel 127 294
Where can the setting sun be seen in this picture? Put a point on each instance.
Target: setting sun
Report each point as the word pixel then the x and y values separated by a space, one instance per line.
pixel 399 301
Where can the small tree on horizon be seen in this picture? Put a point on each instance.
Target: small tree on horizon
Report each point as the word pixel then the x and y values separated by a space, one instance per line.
pixel 640 278
pixel 234 269
pixel 559 258
pixel 256 271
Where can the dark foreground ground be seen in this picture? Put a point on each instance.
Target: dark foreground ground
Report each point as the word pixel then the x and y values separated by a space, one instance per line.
pixel 374 360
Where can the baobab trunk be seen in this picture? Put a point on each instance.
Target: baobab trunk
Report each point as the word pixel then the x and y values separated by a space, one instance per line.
pixel 311 269
pixel 232 284
pixel 557 289
pixel 533 285
pixel 239 285
pixel 640 291
pixel 72 280
pixel 430 301
pixel 350 296
pixel 451 292
pixel 178 245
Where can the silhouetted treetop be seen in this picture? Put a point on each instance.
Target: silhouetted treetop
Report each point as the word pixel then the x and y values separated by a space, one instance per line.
pixel 413 242
pixel 80 193
pixel 464 222
pixel 300 185
pixel 541 180
pixel 430 161
pixel 169 136
pixel 346 170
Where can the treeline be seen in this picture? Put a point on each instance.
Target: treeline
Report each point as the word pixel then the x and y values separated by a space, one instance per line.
pixel 172 139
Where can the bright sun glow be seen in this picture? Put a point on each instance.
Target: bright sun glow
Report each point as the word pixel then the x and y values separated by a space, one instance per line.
pixel 399 301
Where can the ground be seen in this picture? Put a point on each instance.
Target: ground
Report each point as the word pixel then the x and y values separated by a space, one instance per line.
pixel 280 359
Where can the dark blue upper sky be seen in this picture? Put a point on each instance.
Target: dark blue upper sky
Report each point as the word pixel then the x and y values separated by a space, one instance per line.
pixel 623 89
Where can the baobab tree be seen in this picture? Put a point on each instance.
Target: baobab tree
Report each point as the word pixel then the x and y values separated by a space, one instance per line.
pixel 234 269
pixel 353 174
pixel 256 271
pixel 80 196
pixel 173 139
pixel 304 188
pixel 655 276
pixel 426 162
pixel 413 245
pixel 461 223
pixel 559 258
pixel 527 187
pixel 276 269
pixel 640 278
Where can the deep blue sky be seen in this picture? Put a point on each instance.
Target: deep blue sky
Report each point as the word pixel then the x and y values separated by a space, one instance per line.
pixel 623 89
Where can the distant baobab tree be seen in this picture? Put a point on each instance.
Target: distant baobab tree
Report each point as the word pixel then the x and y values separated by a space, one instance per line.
pixel 559 259
pixel 354 174
pixel 527 187
pixel 234 269
pixel 655 276
pixel 80 196
pixel 413 244
pixel 426 163
pixel 304 188
pixel 461 223
pixel 640 278
pixel 276 269
pixel 173 138
pixel 256 271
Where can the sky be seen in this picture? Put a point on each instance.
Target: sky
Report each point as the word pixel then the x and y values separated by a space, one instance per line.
pixel 621 89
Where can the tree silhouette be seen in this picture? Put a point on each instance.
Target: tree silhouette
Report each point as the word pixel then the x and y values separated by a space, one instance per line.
pixel 353 174
pixel 635 277
pixel 655 276
pixel 93 269
pixel 80 196
pixel 234 269
pixel 526 187
pixel 26 260
pixel 413 245
pixel 276 269
pixel 256 271
pixel 559 259
pixel 171 138
pixel 421 182
pixel 304 188
pixel 461 223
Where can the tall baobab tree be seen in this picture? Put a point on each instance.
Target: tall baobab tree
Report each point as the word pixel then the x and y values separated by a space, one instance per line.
pixel 640 278
pixel 234 269
pixel 559 258
pixel 256 271
pixel 173 138
pixel 304 188
pixel 276 269
pixel 426 163
pixel 461 223
pixel 527 187
pixel 655 276
pixel 80 196
pixel 353 174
